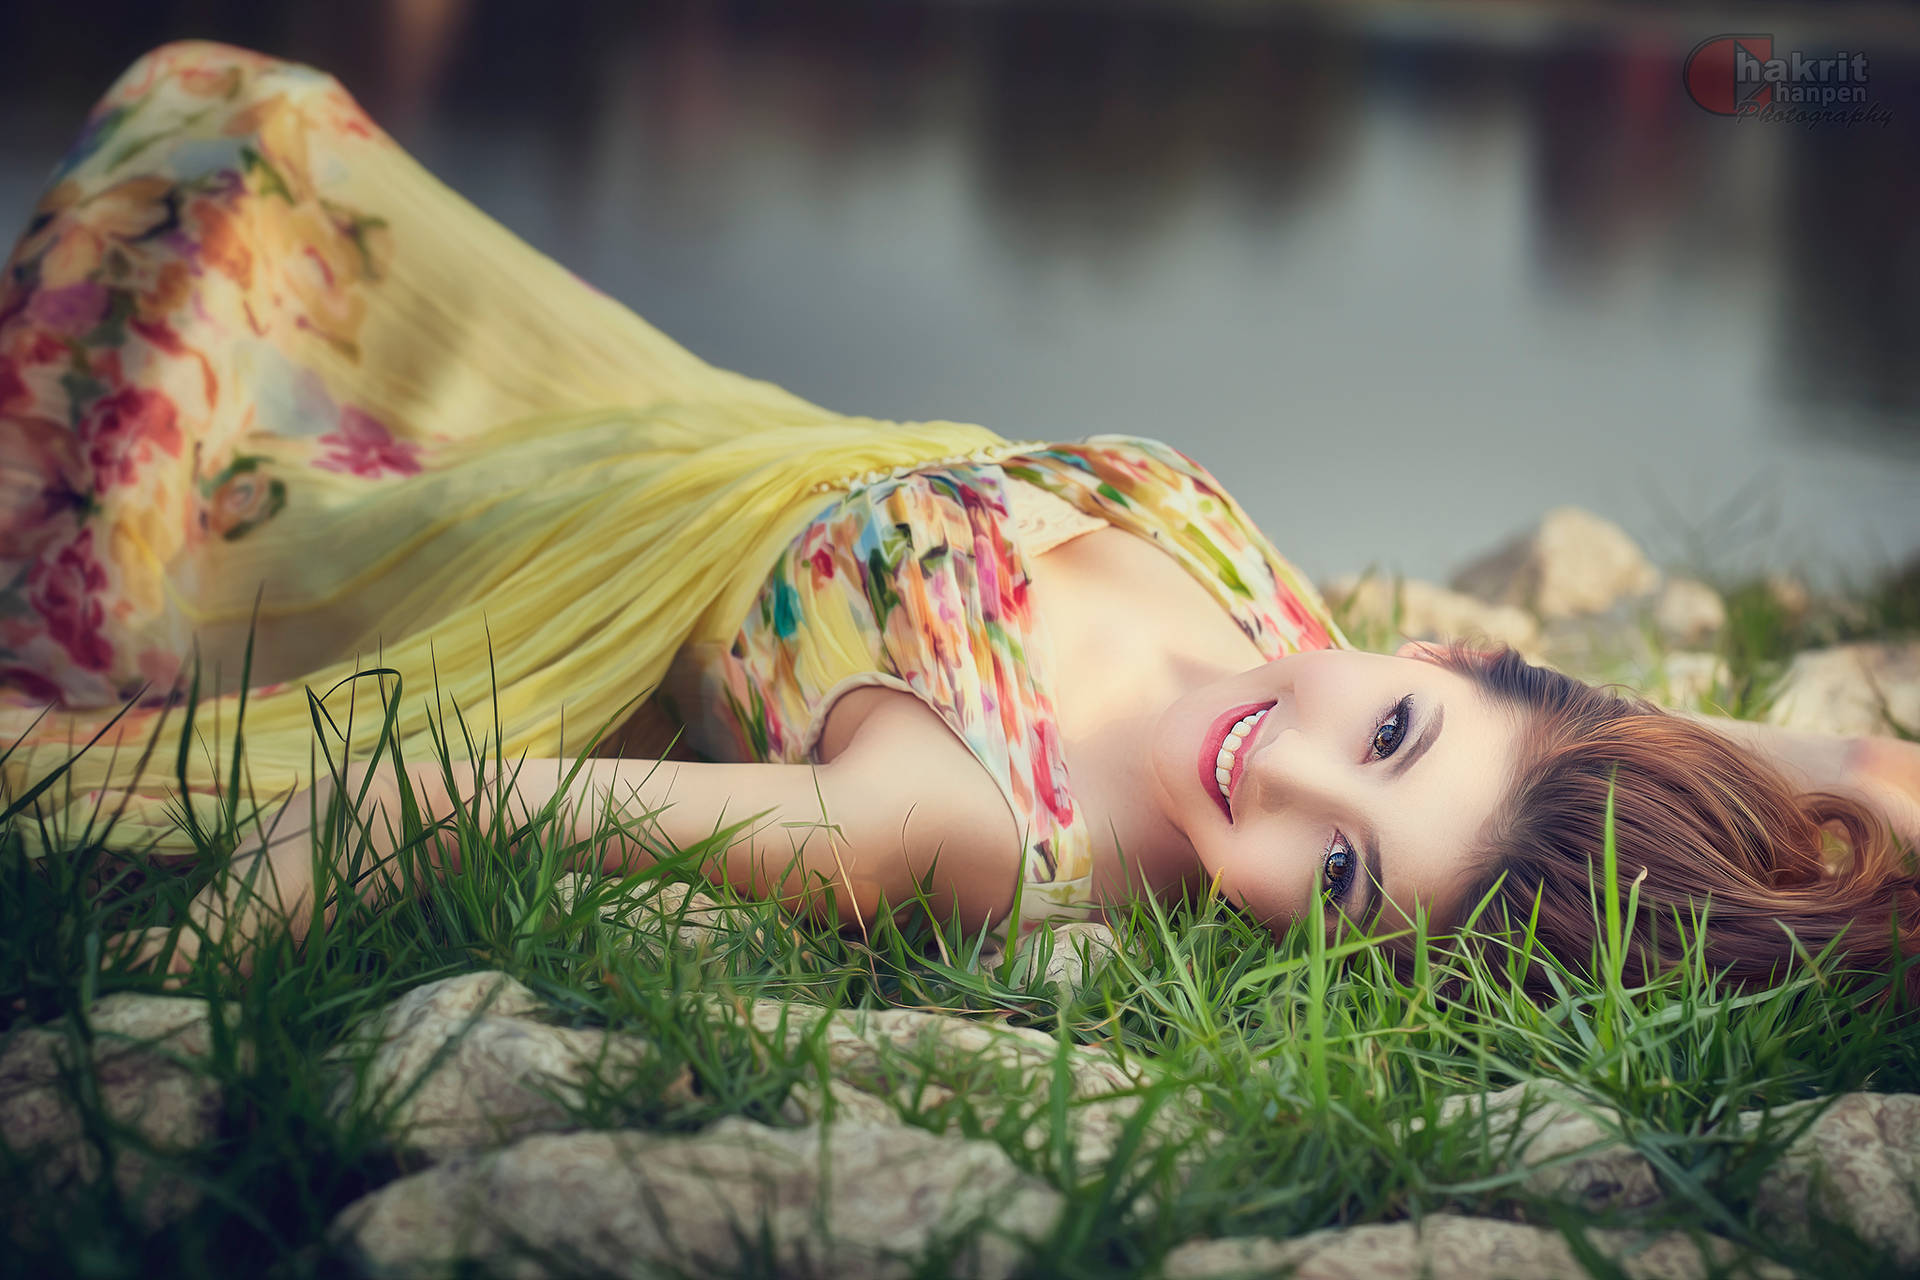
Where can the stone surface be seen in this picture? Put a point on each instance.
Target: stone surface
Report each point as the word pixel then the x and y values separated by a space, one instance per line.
pixel 1430 612
pixel 1080 950
pixel 1687 679
pixel 1569 1147
pixel 1789 594
pixel 462 1063
pixel 148 1055
pixel 673 913
pixel 925 1061
pixel 1689 612
pixel 1447 1245
pixel 844 1201
pixel 1851 689
pixel 1858 1165
pixel 1571 564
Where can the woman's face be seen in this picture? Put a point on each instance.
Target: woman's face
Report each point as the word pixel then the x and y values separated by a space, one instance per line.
pixel 1366 778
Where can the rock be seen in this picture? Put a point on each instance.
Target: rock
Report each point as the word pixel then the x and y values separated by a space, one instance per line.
pixel 1857 1165
pixel 1851 689
pixel 148 1060
pixel 1689 612
pixel 928 1061
pixel 461 1063
pixel 1572 563
pixel 1789 594
pixel 843 1201
pixel 838 1103
pixel 661 913
pixel 1569 1148
pixel 1690 679
pixel 1446 1245
pixel 1429 612
pixel 1079 949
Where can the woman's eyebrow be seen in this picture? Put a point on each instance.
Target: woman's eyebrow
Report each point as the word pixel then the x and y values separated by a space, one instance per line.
pixel 1405 759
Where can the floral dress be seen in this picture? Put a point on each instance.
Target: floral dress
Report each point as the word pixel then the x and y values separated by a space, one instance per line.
pixel 263 376
pixel 918 582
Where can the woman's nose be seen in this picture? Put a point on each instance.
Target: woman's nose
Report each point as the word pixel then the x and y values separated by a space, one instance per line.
pixel 1293 770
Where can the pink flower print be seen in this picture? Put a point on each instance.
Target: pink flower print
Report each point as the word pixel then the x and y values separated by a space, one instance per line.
pixel 66 594
pixel 13 388
pixel 822 561
pixel 1046 754
pixel 29 687
pixel 39 459
pixel 124 429
pixel 364 447
pixel 70 311
pixel 1311 631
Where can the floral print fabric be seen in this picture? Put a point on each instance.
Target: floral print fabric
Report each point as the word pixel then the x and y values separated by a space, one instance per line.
pixel 184 243
pixel 917 582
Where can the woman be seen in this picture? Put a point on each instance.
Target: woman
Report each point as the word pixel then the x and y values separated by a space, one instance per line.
pixel 258 370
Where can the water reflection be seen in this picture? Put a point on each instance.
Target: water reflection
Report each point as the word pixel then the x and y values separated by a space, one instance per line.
pixel 1405 286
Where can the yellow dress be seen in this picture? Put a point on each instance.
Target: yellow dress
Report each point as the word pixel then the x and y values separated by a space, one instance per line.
pixel 254 359
pixel 252 352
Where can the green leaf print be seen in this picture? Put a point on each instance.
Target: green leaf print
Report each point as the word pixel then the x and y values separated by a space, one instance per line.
pixel 880 593
pixel 356 226
pixel 271 183
pixel 82 389
pixel 112 329
pixel 263 504
pixel 13 596
pixel 1222 565
pixel 1113 495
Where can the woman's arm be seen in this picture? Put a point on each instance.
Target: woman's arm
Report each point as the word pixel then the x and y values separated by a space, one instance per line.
pixel 1882 772
pixel 902 803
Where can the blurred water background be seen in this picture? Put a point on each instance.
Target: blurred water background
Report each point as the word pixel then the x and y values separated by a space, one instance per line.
pixel 1403 275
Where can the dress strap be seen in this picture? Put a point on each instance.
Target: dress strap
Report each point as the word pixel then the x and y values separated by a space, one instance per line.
pixel 1153 490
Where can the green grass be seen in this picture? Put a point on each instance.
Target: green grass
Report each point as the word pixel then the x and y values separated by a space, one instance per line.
pixel 1318 1071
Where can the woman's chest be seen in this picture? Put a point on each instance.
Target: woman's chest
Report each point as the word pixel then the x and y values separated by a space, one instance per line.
pixel 1123 620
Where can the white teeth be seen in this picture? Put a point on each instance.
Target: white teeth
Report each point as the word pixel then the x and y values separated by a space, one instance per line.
pixel 1223 763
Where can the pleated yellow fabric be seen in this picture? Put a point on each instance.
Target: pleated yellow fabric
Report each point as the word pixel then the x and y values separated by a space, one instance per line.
pixel 249 347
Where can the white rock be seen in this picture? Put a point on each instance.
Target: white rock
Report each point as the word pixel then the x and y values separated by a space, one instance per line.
pixel 1689 679
pixel 1572 563
pixel 1423 611
pixel 1858 1165
pixel 1790 594
pixel 1851 689
pixel 844 1201
pixel 925 1060
pixel 1568 1147
pixel 460 1063
pixel 1689 612
pixel 657 914
pixel 1450 1245
pixel 147 1059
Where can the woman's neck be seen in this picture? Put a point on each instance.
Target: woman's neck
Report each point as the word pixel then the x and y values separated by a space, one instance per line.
pixel 1131 631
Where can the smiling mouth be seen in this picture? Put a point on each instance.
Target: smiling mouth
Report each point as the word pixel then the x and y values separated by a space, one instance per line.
pixel 1223 751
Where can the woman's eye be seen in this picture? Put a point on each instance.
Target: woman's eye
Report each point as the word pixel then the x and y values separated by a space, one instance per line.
pixel 1339 868
pixel 1391 732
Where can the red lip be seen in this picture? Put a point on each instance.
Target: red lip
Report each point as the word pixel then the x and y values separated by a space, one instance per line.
pixel 1210 751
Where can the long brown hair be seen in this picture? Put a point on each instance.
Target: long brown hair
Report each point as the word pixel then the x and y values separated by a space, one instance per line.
pixel 1703 826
